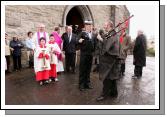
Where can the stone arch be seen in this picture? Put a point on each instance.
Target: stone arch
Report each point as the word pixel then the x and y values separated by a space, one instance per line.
pixel 84 11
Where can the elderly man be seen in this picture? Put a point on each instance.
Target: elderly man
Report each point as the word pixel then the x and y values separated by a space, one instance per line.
pixel 139 53
pixel 109 62
pixel 69 46
pixel 36 39
pixel 40 33
pixel 87 46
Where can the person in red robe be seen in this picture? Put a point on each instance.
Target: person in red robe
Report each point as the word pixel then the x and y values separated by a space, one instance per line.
pixel 42 69
pixel 54 53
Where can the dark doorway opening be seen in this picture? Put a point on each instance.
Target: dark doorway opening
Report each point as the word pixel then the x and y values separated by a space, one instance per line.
pixel 74 18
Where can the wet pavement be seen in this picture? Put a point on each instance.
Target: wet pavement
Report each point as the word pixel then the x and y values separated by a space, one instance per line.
pixel 22 89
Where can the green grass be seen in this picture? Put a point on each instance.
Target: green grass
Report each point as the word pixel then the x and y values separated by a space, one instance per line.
pixel 150 52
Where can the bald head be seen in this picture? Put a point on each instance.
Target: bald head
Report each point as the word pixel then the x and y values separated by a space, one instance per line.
pixel 139 32
pixel 69 29
pixel 41 27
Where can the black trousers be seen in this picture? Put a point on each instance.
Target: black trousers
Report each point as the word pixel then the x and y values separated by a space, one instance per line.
pixel 8 62
pixel 109 88
pixel 122 67
pixel 70 61
pixel 138 70
pixel 31 60
pixel 17 62
pixel 85 69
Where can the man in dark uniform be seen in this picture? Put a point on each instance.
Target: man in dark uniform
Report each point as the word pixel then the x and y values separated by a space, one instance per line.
pixel 139 53
pixel 109 61
pixel 86 40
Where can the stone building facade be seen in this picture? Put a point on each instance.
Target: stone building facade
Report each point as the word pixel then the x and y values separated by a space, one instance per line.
pixel 19 19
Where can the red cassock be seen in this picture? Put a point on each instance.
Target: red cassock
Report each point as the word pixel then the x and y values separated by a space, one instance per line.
pixel 42 75
pixel 53 72
pixel 55 50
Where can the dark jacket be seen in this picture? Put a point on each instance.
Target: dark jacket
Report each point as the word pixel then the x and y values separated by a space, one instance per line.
pixel 69 47
pixel 111 46
pixel 109 58
pixel 139 51
pixel 17 48
pixel 87 47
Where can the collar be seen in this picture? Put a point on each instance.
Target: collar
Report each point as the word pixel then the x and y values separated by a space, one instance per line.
pixel 51 42
pixel 42 46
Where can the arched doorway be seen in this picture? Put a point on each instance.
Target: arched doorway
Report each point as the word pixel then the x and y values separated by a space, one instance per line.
pixel 76 15
pixel 75 19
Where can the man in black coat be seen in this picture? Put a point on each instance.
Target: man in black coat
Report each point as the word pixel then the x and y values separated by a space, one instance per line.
pixel 86 40
pixel 69 46
pixel 109 61
pixel 139 53
pixel 16 53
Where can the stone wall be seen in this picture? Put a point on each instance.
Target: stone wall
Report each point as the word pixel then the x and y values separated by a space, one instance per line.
pixel 100 14
pixel 19 19
pixel 123 14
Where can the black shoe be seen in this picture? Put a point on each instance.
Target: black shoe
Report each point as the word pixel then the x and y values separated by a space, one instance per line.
pixel 138 77
pixel 81 88
pixel 134 76
pixel 8 72
pixel 16 70
pixel 73 71
pixel 123 73
pixel 114 95
pixel 100 98
pixel 89 86
pixel 19 70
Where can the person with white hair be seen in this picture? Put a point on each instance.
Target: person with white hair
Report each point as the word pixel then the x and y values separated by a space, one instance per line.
pixel 139 53
pixel 40 33
pixel 69 46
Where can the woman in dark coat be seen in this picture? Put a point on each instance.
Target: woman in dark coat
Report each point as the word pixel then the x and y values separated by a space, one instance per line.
pixel 139 54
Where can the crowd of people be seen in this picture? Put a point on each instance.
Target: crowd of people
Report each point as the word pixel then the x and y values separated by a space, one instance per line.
pixel 45 53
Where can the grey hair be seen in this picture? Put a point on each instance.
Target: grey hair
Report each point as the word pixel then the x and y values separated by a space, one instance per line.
pixel 70 27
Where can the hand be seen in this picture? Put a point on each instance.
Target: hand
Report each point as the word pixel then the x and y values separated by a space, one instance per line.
pixel 81 40
pixel 11 49
pixel 99 38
